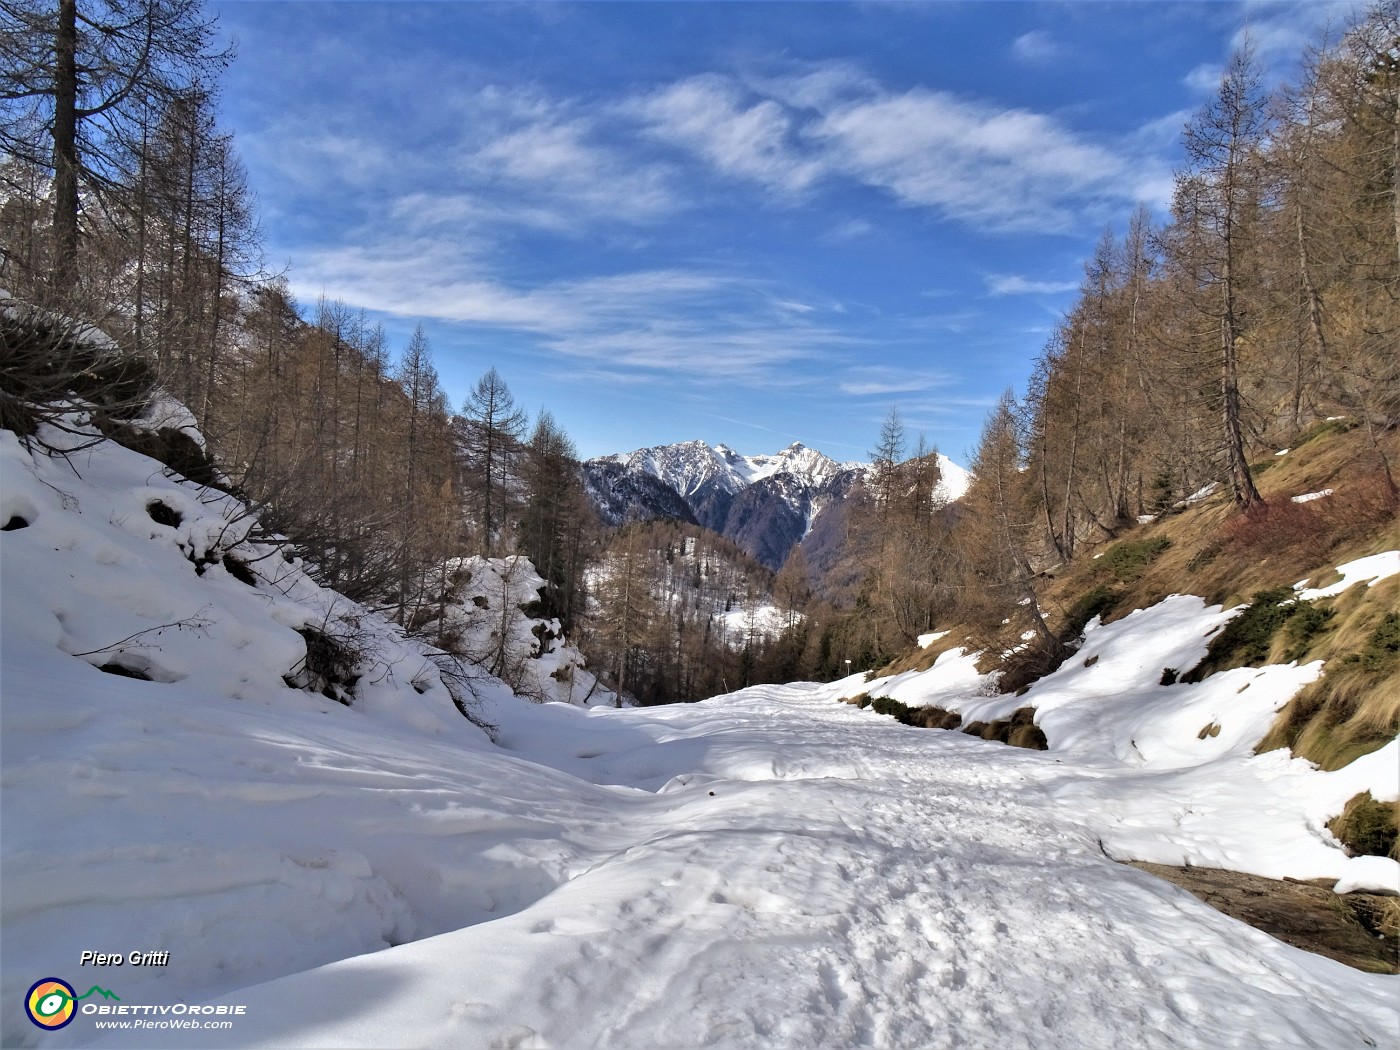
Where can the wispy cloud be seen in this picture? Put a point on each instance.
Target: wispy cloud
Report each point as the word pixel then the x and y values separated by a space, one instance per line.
pixel 883 380
pixel 1015 284
pixel 1279 30
pixel 322 157
pixel 998 168
pixel 740 137
pixel 1002 169
pixel 1205 78
pixel 573 179
pixel 671 321
pixel 1036 47
pixel 851 229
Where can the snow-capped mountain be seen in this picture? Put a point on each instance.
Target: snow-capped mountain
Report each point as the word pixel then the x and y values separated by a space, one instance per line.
pixel 693 467
pixel 766 504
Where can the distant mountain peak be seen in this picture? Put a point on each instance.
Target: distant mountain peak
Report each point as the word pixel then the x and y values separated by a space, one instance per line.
pixel 765 503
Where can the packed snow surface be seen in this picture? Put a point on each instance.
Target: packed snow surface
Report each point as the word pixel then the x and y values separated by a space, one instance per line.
pixel 766 869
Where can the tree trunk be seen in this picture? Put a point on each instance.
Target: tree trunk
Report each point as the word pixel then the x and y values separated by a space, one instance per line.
pixel 1241 481
pixel 1395 172
pixel 65 148
pixel 1314 307
pixel 143 201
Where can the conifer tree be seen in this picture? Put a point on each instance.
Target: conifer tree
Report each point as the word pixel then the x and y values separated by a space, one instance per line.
pixel 1216 207
pixel 492 428
pixel 76 82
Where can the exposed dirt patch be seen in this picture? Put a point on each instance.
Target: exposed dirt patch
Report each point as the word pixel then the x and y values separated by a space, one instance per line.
pixel 1308 915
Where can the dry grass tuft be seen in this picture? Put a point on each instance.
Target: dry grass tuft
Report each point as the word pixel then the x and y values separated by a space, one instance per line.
pixel 1368 828
pixel 1354 708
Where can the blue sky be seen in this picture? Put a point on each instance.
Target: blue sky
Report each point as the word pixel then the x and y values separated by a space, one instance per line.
pixel 747 223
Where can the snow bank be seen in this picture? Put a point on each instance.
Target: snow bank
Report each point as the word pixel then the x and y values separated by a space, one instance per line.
pixel 1308 497
pixel 1362 570
pixel 1370 875
pixel 124 567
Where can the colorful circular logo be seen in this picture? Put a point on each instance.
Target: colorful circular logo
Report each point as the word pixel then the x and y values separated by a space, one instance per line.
pixel 50 1004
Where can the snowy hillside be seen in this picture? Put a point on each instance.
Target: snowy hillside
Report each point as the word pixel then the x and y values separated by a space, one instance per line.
pixel 1186 786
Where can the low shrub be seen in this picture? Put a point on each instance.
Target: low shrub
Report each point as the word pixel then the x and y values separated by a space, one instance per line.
pixel 331 665
pixel 1247 639
pixel 1308 622
pixel 919 717
pixel 888 705
pixel 936 718
pixel 51 361
pixel 1027 665
pixel 1203 557
pixel 173 448
pixel 1382 652
pixel 1129 559
pixel 1097 602
pixel 1270 528
pixel 1321 427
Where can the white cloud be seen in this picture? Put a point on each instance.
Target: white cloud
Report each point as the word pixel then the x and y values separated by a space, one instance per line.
pixel 321 158
pixel 818 87
pixel 669 321
pixel 851 230
pixel 1003 169
pixel 556 176
pixel 1279 31
pixel 1205 78
pixel 567 166
pixel 556 157
pixel 1014 284
pixel 881 380
pixel 709 115
pixel 1164 131
pixel 1000 168
pixel 1035 47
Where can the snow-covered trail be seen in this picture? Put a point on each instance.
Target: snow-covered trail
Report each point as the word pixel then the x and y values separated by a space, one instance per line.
pixel 798 873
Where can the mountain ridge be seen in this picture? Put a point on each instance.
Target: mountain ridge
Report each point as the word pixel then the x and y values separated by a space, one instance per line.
pixel 765 503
